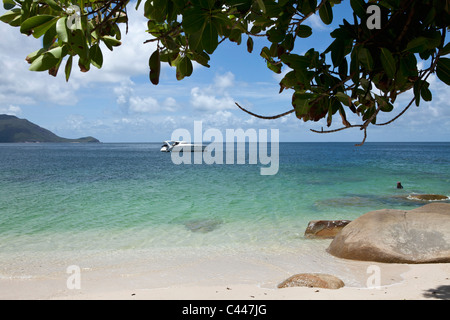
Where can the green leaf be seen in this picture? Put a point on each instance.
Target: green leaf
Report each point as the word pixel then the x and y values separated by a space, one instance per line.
pixel 43 28
pixel 425 92
pixel 207 4
pixel 57 52
pixel 49 37
pixel 111 42
pixel 337 52
pixel 68 68
pixel 295 61
pixel 184 68
pixel 84 65
pixel 249 44
pixel 10 15
pixel 8 4
pixel 155 67
pixel 365 58
pixel 53 5
pixel 358 7
pixel 33 22
pixel 265 53
pixel 236 36
pixel 308 6
pixel 417 45
pixel 300 102
pixel 384 104
pixel 275 35
pixel 344 117
pixel 388 62
pixel 261 5
pixel 274 67
pixel 210 39
pixel 303 31
pixel 326 13
pixel 193 20
pixel 78 44
pixel 32 56
pixel 156 10
pixel 44 62
pixel 195 40
pixel 343 69
pixel 344 98
pixel 95 53
pixel 443 70
pixel 444 51
pixel 61 29
pixel 202 58
pixel 417 87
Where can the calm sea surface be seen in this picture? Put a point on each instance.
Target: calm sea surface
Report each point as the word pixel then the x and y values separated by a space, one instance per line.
pixel 132 196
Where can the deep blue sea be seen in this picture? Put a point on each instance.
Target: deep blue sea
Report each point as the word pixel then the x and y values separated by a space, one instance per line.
pixel 132 196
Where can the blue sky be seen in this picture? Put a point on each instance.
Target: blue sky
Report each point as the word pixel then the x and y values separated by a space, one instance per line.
pixel 119 104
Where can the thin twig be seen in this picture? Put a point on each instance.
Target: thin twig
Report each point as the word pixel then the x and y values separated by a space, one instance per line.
pixel 398 116
pixel 336 130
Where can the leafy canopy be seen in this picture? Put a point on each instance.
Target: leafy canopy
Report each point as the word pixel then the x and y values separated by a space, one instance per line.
pixel 372 59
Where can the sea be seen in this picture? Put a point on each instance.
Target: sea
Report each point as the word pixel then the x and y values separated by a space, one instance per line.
pixel 102 205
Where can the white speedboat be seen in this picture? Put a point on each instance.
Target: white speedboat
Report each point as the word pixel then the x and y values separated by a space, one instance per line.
pixel 178 146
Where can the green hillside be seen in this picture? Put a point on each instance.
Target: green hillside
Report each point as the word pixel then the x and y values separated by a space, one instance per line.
pixel 13 129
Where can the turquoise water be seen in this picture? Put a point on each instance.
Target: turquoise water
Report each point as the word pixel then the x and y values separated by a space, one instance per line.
pixel 71 197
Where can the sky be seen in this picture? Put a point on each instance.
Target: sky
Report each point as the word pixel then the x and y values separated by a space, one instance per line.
pixel 119 104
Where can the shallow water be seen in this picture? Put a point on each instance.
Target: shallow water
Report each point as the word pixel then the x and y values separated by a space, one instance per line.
pixel 116 199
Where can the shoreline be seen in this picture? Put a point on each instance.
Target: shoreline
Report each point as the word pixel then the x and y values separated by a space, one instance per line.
pixel 216 275
pixel 420 282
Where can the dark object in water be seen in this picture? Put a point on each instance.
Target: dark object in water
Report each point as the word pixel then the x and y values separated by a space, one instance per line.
pixel 202 225
pixel 399 185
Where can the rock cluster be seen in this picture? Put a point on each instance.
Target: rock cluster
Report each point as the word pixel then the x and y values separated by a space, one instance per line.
pixel 421 235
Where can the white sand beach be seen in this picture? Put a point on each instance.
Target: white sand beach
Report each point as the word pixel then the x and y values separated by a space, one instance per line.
pixel 218 276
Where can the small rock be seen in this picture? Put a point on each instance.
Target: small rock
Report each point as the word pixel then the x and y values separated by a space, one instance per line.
pixel 312 280
pixel 324 229
pixel 202 225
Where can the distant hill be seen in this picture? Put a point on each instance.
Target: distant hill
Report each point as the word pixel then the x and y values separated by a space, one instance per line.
pixel 13 129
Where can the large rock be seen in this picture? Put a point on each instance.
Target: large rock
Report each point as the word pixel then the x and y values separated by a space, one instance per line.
pixel 420 235
pixel 312 280
pixel 324 229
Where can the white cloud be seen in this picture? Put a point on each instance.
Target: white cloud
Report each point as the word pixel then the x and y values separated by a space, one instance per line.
pixel 215 96
pixel 224 81
pixel 316 23
pixel 143 105
pixel 133 99
pixel 170 104
pixel 11 110
pixel 206 100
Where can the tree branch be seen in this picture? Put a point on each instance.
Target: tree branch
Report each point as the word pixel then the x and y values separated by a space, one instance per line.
pixel 265 117
pixel 364 140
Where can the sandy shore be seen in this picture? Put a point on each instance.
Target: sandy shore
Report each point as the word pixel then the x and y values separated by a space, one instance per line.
pixel 216 276
pixel 419 282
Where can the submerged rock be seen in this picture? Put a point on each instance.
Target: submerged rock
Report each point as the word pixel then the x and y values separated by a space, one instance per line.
pixel 324 229
pixel 312 280
pixel 421 235
pixel 365 201
pixel 428 197
pixel 202 225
